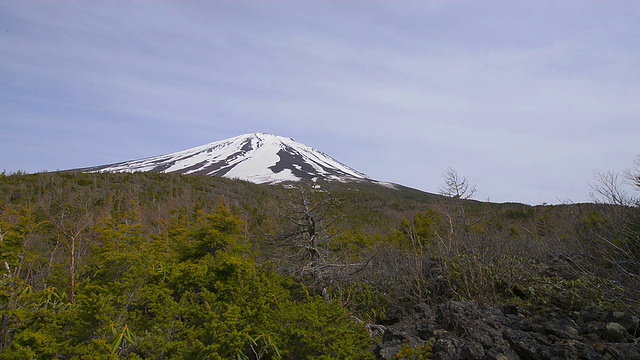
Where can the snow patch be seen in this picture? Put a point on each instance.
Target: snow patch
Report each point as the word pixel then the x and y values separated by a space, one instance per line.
pixel 248 157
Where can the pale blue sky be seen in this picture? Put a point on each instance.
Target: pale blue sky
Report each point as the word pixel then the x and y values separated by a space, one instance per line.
pixel 525 98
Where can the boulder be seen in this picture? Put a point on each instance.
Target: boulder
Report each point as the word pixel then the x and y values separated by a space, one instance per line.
pixel 466 330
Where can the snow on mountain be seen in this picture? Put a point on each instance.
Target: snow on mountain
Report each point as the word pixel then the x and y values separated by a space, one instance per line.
pixel 259 158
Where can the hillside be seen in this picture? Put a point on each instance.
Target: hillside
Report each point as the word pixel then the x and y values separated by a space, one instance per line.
pixel 149 265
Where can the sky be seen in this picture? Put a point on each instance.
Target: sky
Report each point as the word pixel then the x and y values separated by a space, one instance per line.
pixel 527 99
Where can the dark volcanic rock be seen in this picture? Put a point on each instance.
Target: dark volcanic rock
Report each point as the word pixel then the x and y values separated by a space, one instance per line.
pixel 465 330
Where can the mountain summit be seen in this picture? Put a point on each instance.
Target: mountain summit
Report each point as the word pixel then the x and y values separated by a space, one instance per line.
pixel 258 158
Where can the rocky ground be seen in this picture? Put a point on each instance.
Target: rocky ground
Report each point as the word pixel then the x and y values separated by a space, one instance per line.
pixel 465 330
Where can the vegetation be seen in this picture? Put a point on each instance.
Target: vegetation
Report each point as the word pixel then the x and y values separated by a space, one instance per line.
pixel 103 265
pixel 169 266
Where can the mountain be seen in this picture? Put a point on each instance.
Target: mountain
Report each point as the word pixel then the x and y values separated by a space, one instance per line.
pixel 258 158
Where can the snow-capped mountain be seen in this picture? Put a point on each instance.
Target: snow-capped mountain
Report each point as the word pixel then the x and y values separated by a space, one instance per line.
pixel 259 158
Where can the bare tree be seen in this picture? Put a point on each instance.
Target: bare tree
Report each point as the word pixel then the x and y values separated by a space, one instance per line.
pixel 311 224
pixel 308 217
pixel 6 263
pixel 458 188
pixel 633 176
pixel 612 189
pixel 618 238
pixel 71 223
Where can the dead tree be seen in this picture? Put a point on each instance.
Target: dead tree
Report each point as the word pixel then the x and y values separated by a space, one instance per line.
pixel 311 221
pixel 460 190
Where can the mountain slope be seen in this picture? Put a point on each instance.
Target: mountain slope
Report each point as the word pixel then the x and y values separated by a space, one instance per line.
pixel 258 158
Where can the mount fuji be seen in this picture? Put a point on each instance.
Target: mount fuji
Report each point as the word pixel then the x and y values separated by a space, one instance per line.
pixel 258 158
